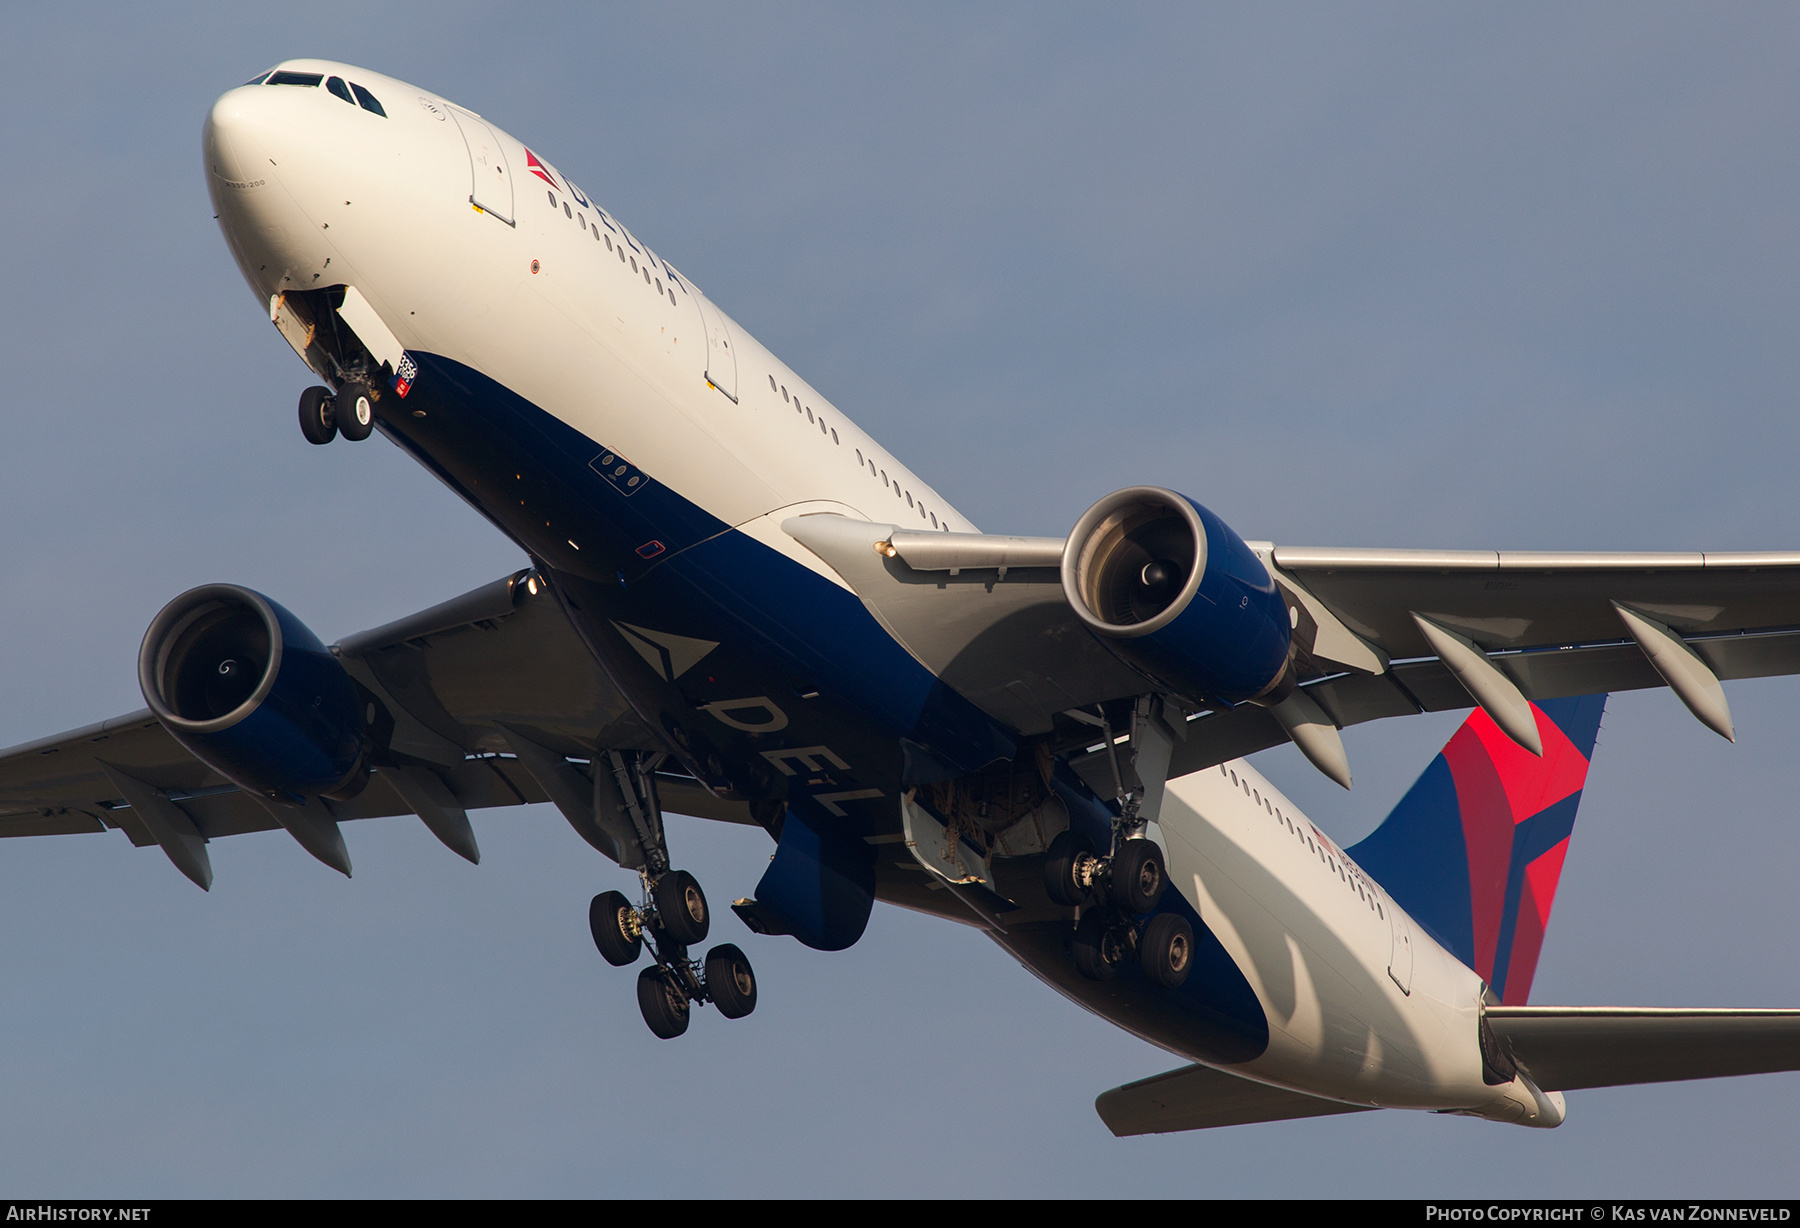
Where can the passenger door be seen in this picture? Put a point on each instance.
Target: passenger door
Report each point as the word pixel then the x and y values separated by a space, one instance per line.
pixel 490 177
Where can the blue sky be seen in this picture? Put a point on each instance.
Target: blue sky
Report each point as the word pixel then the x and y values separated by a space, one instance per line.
pixel 1432 275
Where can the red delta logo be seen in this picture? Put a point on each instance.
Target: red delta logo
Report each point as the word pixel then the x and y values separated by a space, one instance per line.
pixel 540 170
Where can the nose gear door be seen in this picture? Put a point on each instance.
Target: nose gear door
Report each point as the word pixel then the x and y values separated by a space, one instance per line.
pixel 490 178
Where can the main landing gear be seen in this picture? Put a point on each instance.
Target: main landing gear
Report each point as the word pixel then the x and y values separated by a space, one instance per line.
pixel 671 917
pixel 1116 895
pixel 1112 894
pixel 350 413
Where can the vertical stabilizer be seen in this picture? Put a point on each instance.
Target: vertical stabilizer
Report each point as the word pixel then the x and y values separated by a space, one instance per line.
pixel 1474 850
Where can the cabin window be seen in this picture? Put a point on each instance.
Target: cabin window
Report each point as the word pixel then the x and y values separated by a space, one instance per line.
pixel 909 501
pixel 633 260
pixel 809 416
pixel 581 218
pixel 934 523
pixel 784 392
pixel 859 458
pixel 771 383
pixel 551 196
pixel 340 90
pixel 608 239
pixel 368 100
pixel 835 439
pixel 659 288
pixel 884 477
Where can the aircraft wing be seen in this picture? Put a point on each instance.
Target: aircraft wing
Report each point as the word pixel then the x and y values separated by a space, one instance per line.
pixel 458 682
pixel 1377 633
pixel 1199 1098
pixel 1549 624
pixel 1569 1047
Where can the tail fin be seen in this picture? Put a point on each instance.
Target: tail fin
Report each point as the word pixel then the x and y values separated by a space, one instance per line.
pixel 1474 850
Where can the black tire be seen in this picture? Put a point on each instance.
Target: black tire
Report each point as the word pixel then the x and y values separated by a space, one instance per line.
pixel 730 983
pixel 617 937
pixel 1138 877
pixel 355 411
pixel 1099 946
pixel 1166 951
pixel 665 1008
pixel 318 422
pixel 1061 867
pixel 681 910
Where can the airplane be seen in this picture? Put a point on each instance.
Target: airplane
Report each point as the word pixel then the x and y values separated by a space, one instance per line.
pixel 741 607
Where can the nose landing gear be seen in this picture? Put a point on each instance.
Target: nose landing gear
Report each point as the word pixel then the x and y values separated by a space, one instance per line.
pixel 318 419
pixel 350 413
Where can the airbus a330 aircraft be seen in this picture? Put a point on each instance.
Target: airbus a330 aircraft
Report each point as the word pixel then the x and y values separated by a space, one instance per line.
pixel 742 607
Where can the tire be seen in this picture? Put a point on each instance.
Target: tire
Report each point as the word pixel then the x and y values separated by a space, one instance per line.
pixel 1166 951
pixel 665 1008
pixel 730 982
pixel 355 411
pixel 1138 877
pixel 317 421
pixel 681 910
pixel 618 939
pixel 1060 881
pixel 1099 946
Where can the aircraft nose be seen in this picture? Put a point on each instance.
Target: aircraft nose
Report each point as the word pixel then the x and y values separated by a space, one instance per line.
pixel 232 140
pixel 249 132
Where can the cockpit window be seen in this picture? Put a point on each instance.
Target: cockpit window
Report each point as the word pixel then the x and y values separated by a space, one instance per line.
pixel 295 78
pixel 336 86
pixel 367 99
pixel 258 78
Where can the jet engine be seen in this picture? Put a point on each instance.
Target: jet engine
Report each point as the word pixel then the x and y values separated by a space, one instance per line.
pixel 1177 594
pixel 246 688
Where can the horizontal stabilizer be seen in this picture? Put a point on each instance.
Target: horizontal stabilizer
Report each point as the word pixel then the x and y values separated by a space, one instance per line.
pixel 1568 1047
pixel 1199 1098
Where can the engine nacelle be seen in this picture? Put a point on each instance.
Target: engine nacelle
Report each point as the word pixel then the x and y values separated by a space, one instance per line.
pixel 252 693
pixel 1169 587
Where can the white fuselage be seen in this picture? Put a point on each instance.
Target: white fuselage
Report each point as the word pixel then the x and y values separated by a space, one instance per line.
pixel 566 308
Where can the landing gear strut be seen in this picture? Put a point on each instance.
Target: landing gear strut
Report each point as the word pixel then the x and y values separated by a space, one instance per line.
pixel 1116 892
pixel 672 916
